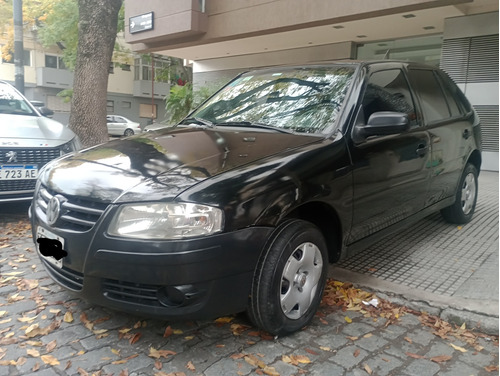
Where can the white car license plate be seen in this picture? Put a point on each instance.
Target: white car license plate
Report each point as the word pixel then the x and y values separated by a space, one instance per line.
pixel 44 233
pixel 18 172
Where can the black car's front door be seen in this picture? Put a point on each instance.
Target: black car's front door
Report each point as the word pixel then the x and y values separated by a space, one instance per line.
pixel 390 172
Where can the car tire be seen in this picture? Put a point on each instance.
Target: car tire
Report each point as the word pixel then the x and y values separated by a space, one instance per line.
pixel 289 279
pixel 128 132
pixel 463 208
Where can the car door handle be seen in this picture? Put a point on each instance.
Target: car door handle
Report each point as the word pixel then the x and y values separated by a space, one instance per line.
pixel 422 150
pixel 466 134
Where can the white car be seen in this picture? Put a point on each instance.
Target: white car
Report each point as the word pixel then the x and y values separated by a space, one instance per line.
pixel 121 126
pixel 28 141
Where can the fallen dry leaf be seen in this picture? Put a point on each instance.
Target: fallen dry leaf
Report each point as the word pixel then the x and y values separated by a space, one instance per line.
pixel 157 354
pixel 135 338
pixel 414 356
pixel 491 368
pixel 441 358
pixel 367 369
pixel 190 366
pixel 458 348
pixel 33 352
pixel 168 332
pixel 68 317
pixel 50 360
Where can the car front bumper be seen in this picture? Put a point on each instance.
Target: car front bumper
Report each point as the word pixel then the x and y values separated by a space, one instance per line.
pixel 183 279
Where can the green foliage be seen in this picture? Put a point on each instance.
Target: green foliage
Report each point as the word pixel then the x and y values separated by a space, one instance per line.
pixel 183 99
pixel 66 95
pixel 60 26
pixel 179 102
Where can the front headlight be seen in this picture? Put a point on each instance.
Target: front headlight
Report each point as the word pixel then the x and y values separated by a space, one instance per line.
pixel 166 221
pixel 71 146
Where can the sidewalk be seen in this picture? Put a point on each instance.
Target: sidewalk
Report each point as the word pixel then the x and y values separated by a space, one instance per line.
pixel 447 270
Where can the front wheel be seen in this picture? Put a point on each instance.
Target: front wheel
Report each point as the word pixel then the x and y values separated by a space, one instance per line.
pixel 289 279
pixel 462 210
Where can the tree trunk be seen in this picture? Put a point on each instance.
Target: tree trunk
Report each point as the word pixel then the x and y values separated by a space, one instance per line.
pixel 97 29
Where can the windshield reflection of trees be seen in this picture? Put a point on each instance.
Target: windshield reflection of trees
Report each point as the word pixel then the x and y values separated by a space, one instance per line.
pixel 301 100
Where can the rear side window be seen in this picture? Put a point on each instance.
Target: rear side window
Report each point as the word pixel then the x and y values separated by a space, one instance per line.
pixel 388 90
pixel 434 105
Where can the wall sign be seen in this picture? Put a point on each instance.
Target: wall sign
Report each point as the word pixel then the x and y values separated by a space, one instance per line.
pixel 140 23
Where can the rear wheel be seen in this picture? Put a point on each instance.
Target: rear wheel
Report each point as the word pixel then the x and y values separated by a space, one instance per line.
pixel 289 279
pixel 463 208
pixel 128 132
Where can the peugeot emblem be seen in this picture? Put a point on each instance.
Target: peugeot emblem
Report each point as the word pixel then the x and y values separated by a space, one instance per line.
pixel 12 155
pixel 53 210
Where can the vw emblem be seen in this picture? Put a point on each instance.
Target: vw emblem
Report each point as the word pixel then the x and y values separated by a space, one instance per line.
pixel 12 156
pixel 53 210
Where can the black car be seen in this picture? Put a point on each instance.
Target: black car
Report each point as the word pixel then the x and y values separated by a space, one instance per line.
pixel 242 205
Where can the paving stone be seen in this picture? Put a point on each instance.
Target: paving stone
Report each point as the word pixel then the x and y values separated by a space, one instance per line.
pixel 383 364
pixel 371 343
pixel 462 369
pixel 421 367
pixel 228 366
pixel 346 357
pixel 326 368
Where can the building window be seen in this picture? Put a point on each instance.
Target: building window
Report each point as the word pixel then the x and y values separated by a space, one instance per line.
pixel 26 58
pixel 143 69
pixel 126 104
pixel 56 62
pixel 110 107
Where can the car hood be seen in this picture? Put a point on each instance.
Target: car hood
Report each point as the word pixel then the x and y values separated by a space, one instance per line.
pixel 160 165
pixel 32 131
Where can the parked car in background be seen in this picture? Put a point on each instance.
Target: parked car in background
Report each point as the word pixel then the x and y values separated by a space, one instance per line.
pixel 244 204
pixel 121 126
pixel 28 141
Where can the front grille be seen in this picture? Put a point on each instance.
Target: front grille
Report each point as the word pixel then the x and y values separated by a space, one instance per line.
pixel 67 277
pixel 131 292
pixel 38 156
pixel 34 156
pixel 17 185
pixel 76 214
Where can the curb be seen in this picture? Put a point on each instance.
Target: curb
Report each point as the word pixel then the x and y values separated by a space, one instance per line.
pixel 478 315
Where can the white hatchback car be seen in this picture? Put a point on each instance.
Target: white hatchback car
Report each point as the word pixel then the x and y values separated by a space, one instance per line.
pixel 121 126
pixel 28 141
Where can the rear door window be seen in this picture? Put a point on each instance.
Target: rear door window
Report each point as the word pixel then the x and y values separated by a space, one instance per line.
pixel 434 105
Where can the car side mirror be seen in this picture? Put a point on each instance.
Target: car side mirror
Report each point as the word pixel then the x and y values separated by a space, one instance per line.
pixel 45 111
pixel 382 123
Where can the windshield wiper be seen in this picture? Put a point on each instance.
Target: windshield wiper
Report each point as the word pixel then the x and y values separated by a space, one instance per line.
pixel 197 120
pixel 253 125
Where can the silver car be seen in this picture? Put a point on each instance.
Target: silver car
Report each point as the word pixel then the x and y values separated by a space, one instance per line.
pixel 28 141
pixel 121 126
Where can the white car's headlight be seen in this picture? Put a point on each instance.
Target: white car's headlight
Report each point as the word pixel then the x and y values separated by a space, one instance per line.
pixel 166 221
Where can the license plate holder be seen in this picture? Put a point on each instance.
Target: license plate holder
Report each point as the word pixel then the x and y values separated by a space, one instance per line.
pixel 42 232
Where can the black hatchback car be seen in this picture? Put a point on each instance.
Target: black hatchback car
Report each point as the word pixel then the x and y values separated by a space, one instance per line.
pixel 242 205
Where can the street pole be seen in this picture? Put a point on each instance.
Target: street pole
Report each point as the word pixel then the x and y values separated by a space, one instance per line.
pixel 152 88
pixel 18 45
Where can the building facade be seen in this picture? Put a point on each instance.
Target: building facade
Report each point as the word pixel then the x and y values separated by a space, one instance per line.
pixel 224 37
pixel 132 92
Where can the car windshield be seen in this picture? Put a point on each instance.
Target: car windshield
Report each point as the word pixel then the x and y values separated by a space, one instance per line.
pixel 303 100
pixel 11 102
